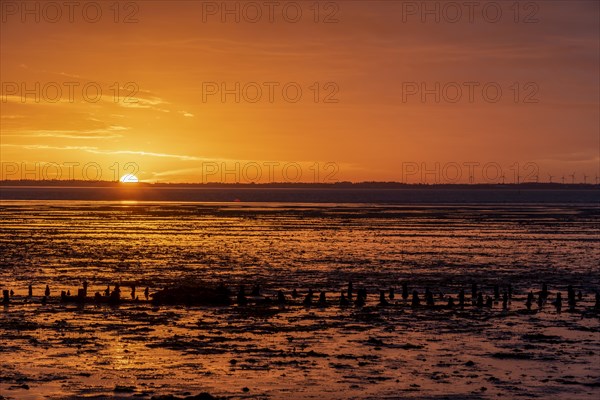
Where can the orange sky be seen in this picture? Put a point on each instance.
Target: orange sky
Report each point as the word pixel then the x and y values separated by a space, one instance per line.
pixel 173 131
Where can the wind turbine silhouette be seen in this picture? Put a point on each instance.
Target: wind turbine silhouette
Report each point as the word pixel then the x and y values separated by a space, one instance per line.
pixel 563 179
pixel 572 177
pixel 550 176
pixel 502 177
pixel 585 179
pixel 537 179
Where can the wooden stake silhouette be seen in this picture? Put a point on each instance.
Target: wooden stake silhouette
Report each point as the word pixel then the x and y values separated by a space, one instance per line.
pixel 382 299
pixel 416 302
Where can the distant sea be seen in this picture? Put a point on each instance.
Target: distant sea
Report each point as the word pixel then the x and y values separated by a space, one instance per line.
pixel 412 195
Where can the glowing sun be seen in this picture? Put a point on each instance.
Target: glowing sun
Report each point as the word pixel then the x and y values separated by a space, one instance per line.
pixel 129 178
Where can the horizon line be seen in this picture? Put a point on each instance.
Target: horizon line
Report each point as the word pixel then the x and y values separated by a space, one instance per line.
pixel 80 182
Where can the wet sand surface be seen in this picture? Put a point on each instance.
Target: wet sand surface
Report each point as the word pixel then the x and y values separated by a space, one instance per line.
pixel 60 350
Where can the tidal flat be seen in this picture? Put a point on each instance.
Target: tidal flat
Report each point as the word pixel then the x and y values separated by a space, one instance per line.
pixel 55 349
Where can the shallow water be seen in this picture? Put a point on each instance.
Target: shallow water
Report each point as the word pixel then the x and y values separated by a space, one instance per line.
pixel 60 350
